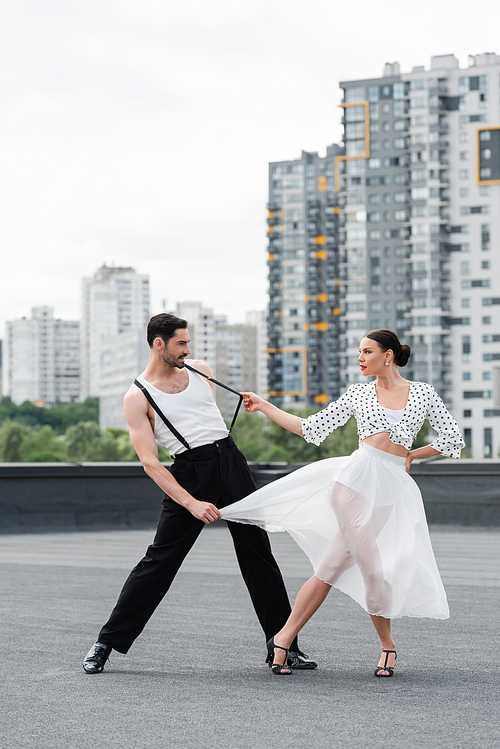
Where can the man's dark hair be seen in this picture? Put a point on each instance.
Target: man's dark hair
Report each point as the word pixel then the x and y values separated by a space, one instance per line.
pixel 164 326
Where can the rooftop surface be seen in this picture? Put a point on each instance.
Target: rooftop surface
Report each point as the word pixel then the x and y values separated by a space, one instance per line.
pixel 196 677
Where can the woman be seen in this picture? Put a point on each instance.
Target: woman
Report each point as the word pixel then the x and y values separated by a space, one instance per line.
pixel 360 518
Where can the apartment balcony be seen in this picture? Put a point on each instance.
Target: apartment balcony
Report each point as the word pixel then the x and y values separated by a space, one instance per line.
pixel 438 88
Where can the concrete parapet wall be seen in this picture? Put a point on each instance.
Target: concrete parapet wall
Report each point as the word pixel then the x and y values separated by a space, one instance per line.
pixel 42 497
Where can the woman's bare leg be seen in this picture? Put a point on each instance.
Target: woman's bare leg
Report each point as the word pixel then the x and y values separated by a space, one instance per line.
pixel 383 627
pixel 309 599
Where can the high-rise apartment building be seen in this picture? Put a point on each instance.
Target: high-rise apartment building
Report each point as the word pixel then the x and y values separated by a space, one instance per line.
pixel 419 186
pixel 304 280
pixel 42 359
pixel 115 300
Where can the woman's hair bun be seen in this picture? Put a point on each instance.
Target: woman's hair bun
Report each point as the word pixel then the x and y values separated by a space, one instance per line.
pixel 403 355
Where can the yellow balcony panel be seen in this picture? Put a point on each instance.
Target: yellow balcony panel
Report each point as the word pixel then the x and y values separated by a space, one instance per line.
pixel 320 240
pixel 321 326
pixel 282 285
pixel 336 209
pixel 271 257
pixel 306 326
pixel 336 311
pixel 322 398
pixel 271 214
pixel 282 227
pixel 322 184
pixel 270 230
pixel 337 282
pixel 321 297
pixel 306 297
pixel 281 313
pixel 321 254
pixel 281 214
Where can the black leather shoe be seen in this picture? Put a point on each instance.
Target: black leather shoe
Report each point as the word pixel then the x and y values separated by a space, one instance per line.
pixel 96 658
pixel 298 659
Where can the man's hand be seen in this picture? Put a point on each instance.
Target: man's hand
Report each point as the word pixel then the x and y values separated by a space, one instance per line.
pixel 203 511
pixel 252 402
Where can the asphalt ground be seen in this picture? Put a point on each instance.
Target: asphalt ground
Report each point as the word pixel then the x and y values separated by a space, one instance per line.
pixel 196 676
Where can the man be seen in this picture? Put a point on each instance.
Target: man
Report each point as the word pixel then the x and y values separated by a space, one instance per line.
pixel 209 472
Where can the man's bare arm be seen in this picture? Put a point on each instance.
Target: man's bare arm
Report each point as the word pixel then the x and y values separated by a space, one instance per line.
pixel 141 435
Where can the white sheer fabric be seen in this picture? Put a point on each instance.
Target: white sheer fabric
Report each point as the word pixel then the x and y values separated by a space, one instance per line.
pixel 360 519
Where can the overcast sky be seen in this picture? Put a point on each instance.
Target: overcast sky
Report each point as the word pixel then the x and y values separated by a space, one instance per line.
pixel 140 133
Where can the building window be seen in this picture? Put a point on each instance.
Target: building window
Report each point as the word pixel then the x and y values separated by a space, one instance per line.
pixel 487 375
pixel 467 413
pixel 354 94
pixel 373 163
pixel 487 320
pixel 373 93
pixel 466 302
pixel 488 442
pixel 401 143
pixel 464 192
pixel 463 174
pixel 466 349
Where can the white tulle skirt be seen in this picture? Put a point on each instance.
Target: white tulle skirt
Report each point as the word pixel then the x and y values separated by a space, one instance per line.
pixel 360 519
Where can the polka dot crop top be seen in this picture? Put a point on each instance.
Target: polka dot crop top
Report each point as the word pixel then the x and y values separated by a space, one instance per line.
pixel 360 401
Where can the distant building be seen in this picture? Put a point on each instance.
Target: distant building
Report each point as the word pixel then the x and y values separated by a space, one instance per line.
pixel 115 300
pixel 123 357
pixel 201 325
pixel 42 359
pixel 236 362
pixel 259 320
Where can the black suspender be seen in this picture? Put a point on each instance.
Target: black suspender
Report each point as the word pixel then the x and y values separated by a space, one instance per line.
pixel 226 387
pixel 169 424
pixel 162 415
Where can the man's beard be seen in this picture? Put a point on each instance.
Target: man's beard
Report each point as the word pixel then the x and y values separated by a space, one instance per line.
pixel 173 361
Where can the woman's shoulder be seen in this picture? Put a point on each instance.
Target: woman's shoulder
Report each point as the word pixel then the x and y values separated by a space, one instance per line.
pixel 422 391
pixel 357 388
pixel 424 386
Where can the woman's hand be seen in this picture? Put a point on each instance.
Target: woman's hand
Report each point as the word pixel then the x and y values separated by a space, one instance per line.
pixel 409 460
pixel 252 402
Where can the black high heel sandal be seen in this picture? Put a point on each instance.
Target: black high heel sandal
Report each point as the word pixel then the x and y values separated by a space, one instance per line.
pixel 385 667
pixel 277 668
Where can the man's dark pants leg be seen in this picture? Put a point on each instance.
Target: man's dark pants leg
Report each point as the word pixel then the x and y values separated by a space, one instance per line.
pixel 222 477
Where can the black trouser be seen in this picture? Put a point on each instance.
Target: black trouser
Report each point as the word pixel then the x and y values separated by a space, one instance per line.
pixel 218 474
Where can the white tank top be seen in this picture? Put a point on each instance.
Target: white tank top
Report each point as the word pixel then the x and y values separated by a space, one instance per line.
pixel 393 415
pixel 193 412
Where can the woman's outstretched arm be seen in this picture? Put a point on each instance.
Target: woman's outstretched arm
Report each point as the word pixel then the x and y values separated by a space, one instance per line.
pixel 253 402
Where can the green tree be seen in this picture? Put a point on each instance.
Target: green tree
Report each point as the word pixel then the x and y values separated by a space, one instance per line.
pixel 11 440
pixel 59 417
pixel 43 446
pixel 86 442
